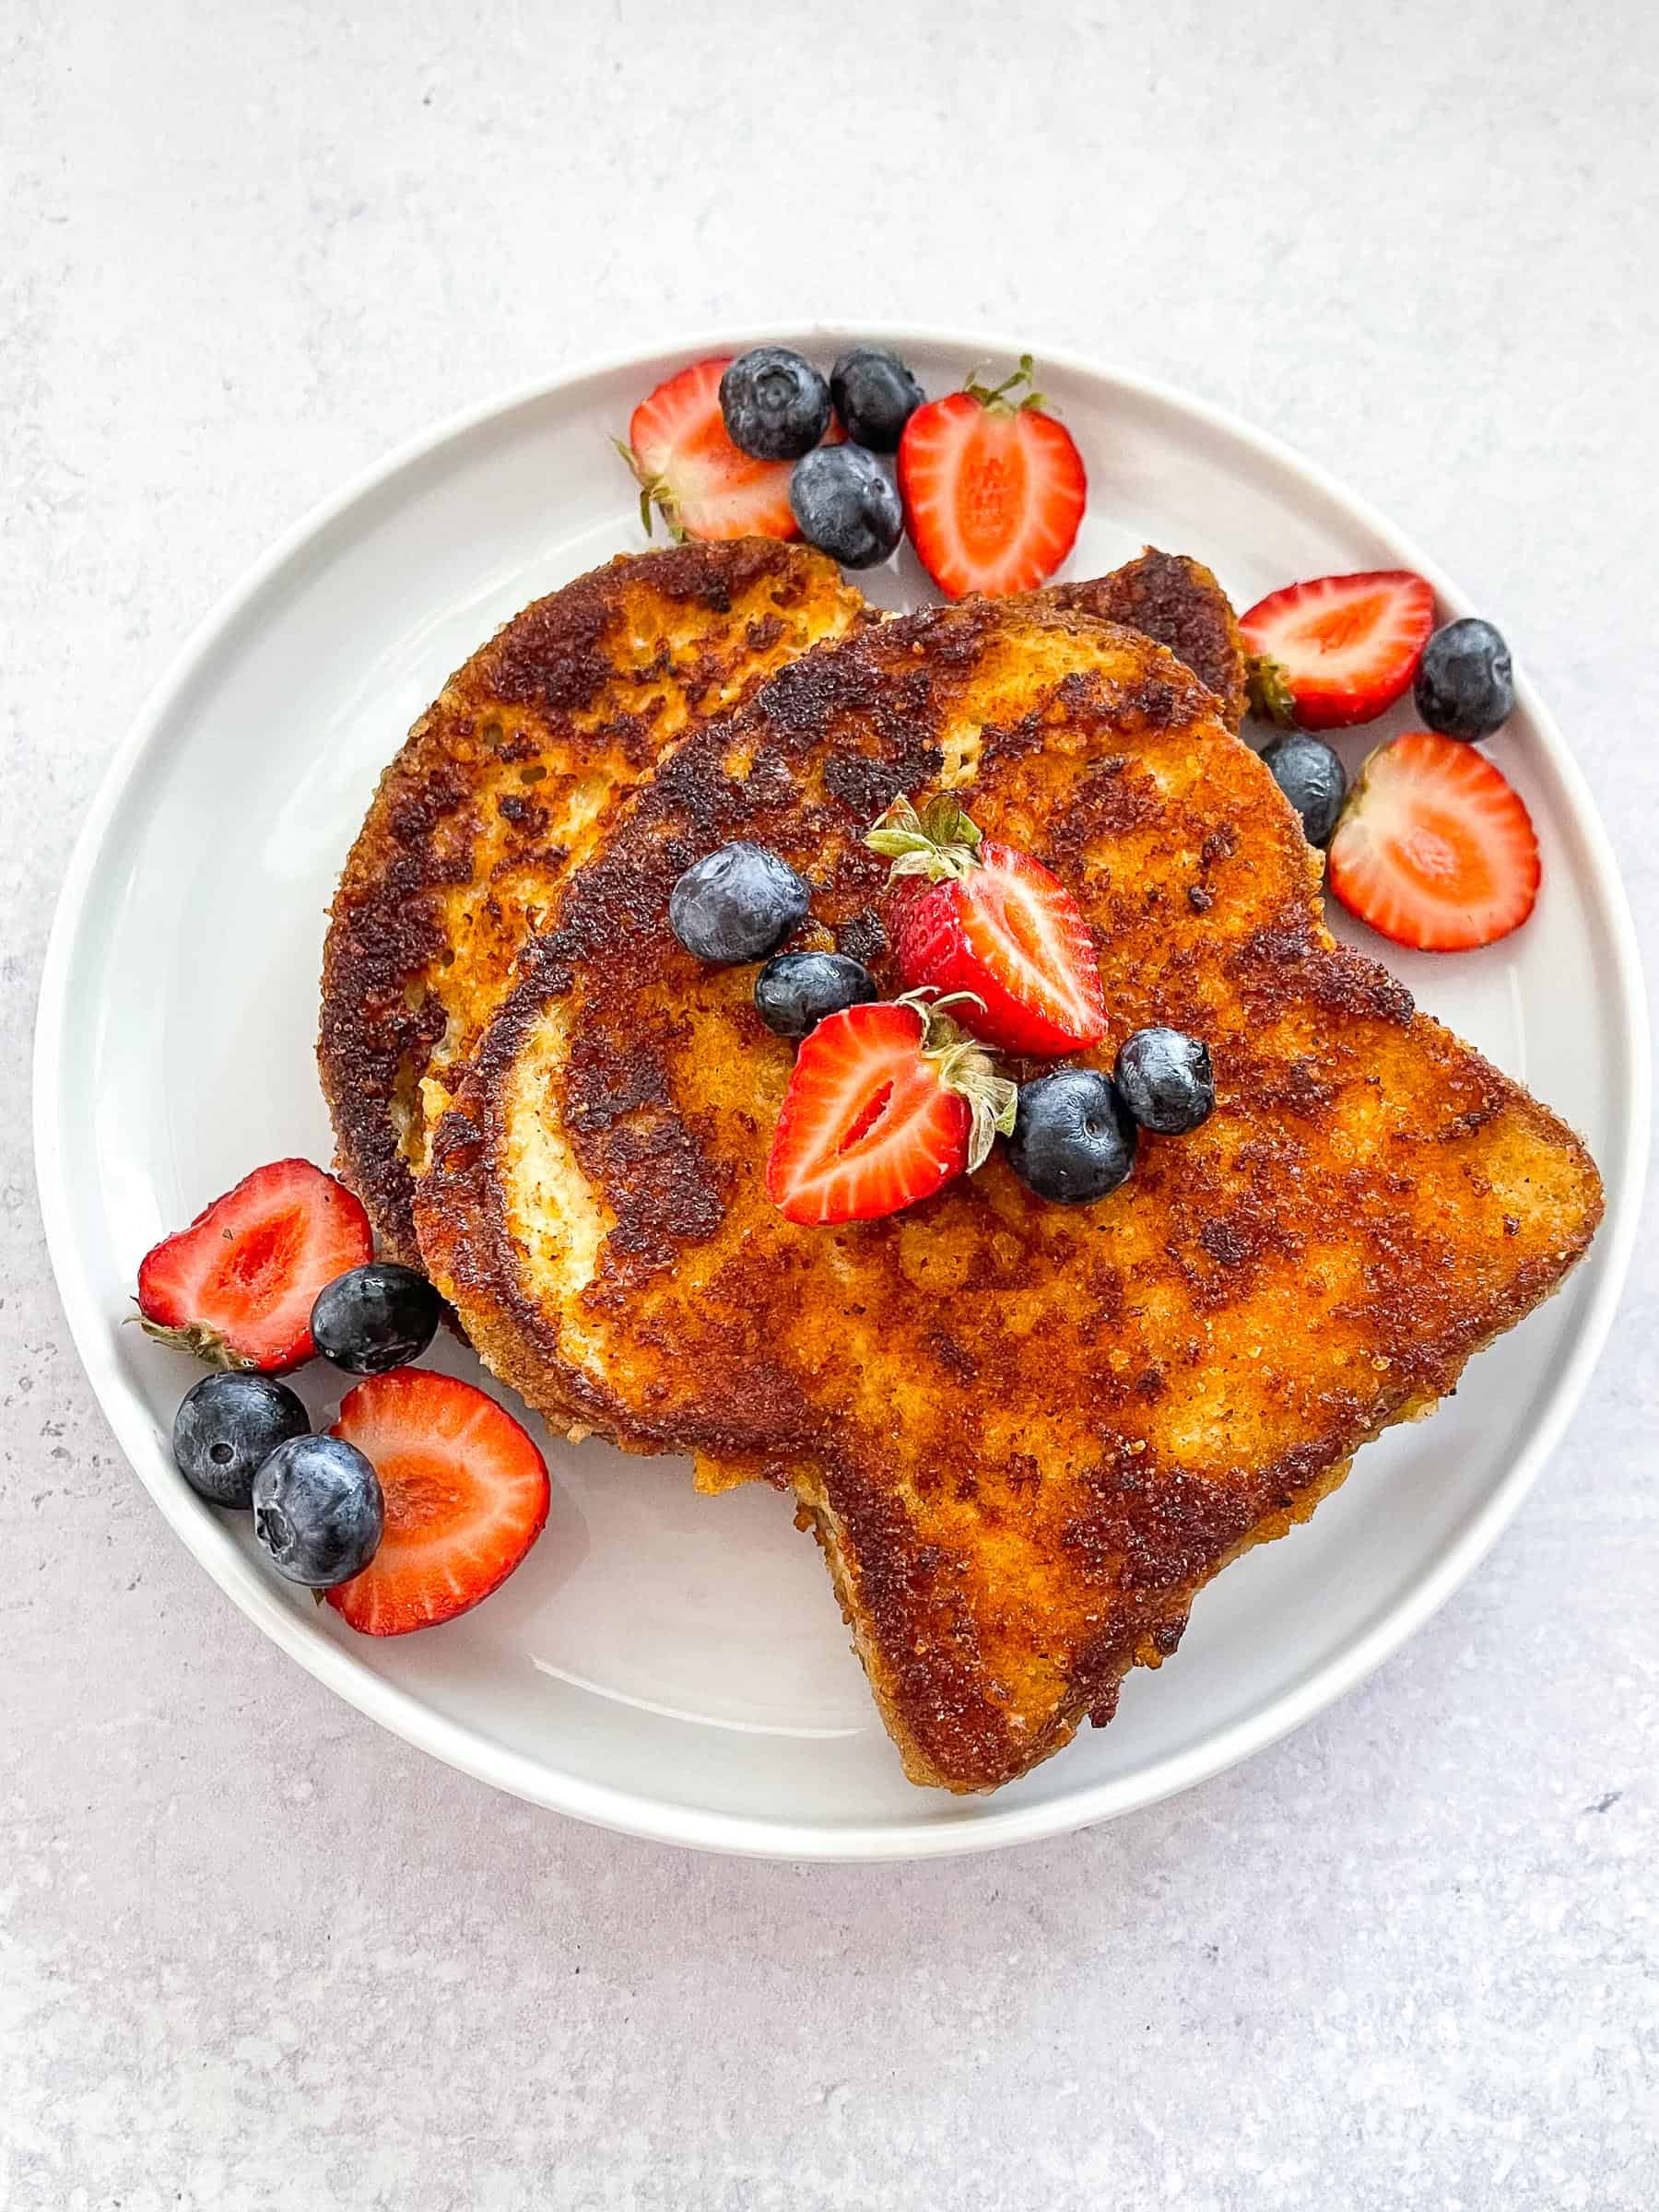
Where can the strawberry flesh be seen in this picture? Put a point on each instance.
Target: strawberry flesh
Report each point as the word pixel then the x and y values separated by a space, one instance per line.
pixel 467 1495
pixel 867 1127
pixel 1341 647
pixel 994 491
pixel 689 467
pixel 237 1286
pixel 1435 848
pixel 1013 936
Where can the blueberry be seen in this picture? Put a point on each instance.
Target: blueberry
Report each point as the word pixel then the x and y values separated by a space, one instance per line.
pixel 375 1317
pixel 799 989
pixel 1312 779
pixel 736 904
pixel 318 1511
pixel 875 396
pixel 1164 1077
pixel 1073 1138
pixel 847 505
pixel 227 1427
pixel 775 404
pixel 1466 685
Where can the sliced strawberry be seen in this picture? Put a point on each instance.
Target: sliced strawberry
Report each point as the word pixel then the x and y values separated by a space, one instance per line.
pixel 467 1495
pixel 690 470
pixel 1337 650
pixel 992 922
pixel 1434 849
pixel 237 1286
pixel 887 1103
pixel 993 488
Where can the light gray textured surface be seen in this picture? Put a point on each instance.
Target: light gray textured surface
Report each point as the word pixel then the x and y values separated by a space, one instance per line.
pixel 255 1954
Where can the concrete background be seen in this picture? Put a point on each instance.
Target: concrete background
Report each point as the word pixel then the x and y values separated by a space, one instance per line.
pixel 255 1954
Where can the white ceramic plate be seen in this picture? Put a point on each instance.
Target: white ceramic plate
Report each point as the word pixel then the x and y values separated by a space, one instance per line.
pixel 665 1663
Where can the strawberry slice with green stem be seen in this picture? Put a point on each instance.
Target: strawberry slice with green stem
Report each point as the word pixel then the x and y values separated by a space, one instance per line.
pixel 993 486
pixel 1435 849
pixel 689 471
pixel 887 1104
pixel 467 1495
pixel 1339 650
pixel 236 1288
pixel 967 914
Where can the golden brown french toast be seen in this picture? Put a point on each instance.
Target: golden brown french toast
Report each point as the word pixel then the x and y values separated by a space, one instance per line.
pixel 1176 600
pixel 503 787
pixel 1026 1434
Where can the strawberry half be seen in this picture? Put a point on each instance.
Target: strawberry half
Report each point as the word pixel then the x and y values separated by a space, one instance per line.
pixel 990 922
pixel 692 472
pixel 237 1286
pixel 1337 650
pixel 467 1495
pixel 993 488
pixel 886 1104
pixel 1434 849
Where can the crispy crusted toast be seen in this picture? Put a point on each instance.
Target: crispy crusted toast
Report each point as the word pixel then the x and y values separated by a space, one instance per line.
pixel 1026 1434
pixel 507 781
pixel 1176 601
pixel 502 788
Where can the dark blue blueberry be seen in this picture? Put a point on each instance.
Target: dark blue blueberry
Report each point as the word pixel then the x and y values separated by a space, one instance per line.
pixel 1073 1138
pixel 227 1427
pixel 1165 1079
pixel 799 989
pixel 737 904
pixel 875 396
pixel 375 1317
pixel 318 1511
pixel 775 404
pixel 1465 686
pixel 1312 779
pixel 847 505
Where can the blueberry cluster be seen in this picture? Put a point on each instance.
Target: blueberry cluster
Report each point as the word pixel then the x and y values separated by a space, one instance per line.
pixel 739 903
pixel 245 1440
pixel 776 406
pixel 1076 1128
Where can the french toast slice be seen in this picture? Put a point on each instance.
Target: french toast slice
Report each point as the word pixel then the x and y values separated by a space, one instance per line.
pixel 502 788
pixel 1177 601
pixel 1026 1434
pixel 505 785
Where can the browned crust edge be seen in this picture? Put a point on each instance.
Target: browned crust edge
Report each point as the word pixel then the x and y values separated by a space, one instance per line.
pixel 1177 602
pixel 375 1033
pixel 1148 1644
pixel 1152 1638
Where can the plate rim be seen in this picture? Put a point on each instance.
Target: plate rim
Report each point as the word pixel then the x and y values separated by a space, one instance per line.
pixel 659 1820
